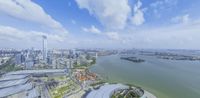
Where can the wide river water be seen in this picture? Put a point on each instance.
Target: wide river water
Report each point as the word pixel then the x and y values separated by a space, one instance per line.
pixel 163 78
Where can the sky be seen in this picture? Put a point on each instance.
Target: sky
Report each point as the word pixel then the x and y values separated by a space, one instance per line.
pixel 154 24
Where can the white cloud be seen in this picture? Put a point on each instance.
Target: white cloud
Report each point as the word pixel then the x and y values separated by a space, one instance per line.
pixel 181 19
pixel 30 11
pixel 111 13
pixel 15 35
pixel 92 29
pixel 113 35
pixel 179 36
pixel 138 17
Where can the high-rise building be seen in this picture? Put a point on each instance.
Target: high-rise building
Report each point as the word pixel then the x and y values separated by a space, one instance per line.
pixel 49 57
pixel 18 58
pixel 44 47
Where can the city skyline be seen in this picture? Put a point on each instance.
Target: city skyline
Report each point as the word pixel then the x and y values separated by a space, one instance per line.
pixel 163 24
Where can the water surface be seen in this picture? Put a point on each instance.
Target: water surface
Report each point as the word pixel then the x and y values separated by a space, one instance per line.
pixel 163 78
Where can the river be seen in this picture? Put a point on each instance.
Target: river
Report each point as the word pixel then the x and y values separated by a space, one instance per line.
pixel 163 78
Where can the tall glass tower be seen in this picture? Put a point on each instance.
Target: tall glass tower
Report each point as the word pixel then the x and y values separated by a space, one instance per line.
pixel 44 47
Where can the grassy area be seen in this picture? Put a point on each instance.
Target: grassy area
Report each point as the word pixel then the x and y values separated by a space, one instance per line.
pixel 128 93
pixel 118 95
pixel 61 90
pixel 61 78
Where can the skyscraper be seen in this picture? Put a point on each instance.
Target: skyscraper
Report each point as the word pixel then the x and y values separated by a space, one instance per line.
pixel 44 47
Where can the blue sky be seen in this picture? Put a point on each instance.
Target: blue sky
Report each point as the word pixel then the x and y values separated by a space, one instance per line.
pixel 168 24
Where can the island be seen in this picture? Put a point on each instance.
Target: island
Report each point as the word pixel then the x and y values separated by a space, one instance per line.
pixel 133 59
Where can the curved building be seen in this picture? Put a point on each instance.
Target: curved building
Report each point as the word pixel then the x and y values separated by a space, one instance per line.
pixel 108 90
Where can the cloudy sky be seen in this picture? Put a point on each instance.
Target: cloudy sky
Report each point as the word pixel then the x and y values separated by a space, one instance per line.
pixel 168 24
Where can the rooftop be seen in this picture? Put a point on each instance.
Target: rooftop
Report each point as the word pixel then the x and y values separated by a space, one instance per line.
pixel 12 77
pixel 16 82
pixel 5 84
pixel 46 71
pixel 15 89
pixel 105 91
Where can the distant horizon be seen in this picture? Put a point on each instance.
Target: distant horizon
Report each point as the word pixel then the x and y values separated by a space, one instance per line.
pixel 101 49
